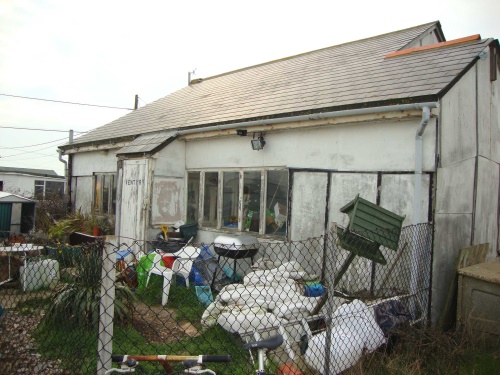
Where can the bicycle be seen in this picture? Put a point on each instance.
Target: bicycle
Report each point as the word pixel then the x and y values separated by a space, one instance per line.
pixel 194 364
pixel 270 343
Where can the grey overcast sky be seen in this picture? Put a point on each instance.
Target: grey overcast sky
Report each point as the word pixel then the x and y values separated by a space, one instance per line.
pixel 105 52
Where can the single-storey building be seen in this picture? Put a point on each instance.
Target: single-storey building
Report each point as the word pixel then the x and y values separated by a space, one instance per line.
pixel 32 183
pixel 407 120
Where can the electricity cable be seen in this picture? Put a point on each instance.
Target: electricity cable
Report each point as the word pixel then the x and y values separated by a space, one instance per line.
pixel 64 102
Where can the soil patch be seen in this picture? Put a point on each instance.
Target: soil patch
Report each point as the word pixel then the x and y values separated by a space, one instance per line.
pixel 158 325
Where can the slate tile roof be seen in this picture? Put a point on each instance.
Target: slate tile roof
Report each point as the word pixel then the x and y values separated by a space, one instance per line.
pixel 31 171
pixel 349 75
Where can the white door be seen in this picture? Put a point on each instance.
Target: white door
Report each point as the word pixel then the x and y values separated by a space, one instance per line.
pixel 134 204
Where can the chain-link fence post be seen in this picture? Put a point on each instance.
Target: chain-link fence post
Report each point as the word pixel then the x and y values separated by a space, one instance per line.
pixel 106 309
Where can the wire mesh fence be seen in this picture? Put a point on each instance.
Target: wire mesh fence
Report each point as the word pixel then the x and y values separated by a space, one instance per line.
pixel 66 309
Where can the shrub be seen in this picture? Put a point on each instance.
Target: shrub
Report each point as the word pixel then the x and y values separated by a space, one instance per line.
pixel 77 303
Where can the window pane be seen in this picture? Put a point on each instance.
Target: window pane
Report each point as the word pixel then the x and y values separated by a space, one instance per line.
pixel 230 199
pixel 106 191
pixel 210 199
pixel 113 195
pixel 276 202
pixel 97 193
pixel 251 200
pixel 39 182
pixel 38 192
pixel 193 197
pixel 54 188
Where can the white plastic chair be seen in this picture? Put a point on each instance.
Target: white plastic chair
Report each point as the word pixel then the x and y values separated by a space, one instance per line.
pixel 159 269
pixel 184 262
pixel 183 267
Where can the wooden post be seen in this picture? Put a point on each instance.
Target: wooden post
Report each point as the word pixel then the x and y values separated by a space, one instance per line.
pixel 106 307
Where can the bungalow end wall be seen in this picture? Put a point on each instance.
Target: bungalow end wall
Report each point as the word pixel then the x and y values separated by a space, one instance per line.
pixel 467 194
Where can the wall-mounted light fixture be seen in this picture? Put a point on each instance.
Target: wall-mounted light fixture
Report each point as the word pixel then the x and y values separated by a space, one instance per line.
pixel 258 143
pixel 242 132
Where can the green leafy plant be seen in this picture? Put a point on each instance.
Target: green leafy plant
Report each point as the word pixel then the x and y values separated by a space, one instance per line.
pixel 77 304
pixel 80 222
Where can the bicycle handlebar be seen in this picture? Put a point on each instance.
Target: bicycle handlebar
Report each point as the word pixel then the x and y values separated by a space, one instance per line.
pixel 118 358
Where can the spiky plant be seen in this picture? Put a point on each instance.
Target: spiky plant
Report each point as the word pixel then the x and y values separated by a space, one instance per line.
pixel 77 303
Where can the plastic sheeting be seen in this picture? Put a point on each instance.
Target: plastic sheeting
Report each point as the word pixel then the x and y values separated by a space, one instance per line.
pixel 354 332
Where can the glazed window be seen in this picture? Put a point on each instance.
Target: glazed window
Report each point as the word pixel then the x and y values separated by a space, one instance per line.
pixel 105 194
pixel 43 189
pixel 252 189
pixel 239 200
pixel 210 199
pixel 276 202
pixel 230 199
pixel 193 197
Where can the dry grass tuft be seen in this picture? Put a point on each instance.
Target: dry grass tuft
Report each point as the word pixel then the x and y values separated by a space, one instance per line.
pixel 418 351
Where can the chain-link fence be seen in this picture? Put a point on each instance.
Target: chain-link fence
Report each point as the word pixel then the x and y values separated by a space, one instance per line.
pixel 66 309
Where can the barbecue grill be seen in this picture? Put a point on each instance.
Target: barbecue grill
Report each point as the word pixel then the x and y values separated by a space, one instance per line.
pixel 235 247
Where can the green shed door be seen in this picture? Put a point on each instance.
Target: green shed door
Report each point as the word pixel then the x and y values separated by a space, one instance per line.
pixel 5 215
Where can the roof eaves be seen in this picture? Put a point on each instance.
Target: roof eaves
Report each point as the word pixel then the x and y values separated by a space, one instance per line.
pixel 111 141
pixel 291 115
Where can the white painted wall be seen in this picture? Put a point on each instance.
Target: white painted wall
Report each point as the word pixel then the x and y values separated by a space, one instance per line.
pixel 88 163
pixel 380 146
pixel 23 184
pixel 468 175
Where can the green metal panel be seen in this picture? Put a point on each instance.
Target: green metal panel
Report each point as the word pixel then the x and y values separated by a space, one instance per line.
pixel 374 222
pixel 5 217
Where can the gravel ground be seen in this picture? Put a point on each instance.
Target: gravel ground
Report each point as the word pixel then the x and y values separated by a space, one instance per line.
pixel 17 348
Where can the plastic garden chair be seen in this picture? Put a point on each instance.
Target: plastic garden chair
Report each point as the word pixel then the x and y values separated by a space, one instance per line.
pixel 183 267
pixel 184 262
pixel 159 269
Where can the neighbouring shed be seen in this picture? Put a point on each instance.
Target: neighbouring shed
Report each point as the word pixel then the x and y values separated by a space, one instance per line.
pixel 17 214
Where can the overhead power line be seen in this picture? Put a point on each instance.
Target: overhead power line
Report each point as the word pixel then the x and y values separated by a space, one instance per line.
pixel 30 146
pixel 42 130
pixel 60 101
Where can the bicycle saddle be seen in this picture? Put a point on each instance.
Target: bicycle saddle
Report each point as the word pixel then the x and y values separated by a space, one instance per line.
pixel 270 343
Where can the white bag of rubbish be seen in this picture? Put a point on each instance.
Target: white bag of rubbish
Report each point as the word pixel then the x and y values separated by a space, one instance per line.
pixel 243 320
pixel 246 293
pixel 354 332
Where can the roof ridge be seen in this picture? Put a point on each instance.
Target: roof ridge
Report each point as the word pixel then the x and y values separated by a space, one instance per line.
pixel 198 80
pixel 449 43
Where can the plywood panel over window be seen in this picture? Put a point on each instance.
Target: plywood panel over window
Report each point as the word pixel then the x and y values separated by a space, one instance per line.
pixel 167 203
pixel 309 191
pixel 343 189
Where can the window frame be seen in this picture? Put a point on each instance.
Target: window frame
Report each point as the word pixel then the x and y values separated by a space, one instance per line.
pixel 111 199
pixel 241 222
pixel 42 185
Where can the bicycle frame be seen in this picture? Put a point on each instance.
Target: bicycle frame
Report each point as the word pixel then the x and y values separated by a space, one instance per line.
pixel 268 344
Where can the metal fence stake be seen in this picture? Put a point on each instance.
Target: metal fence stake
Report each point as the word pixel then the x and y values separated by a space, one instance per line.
pixel 106 308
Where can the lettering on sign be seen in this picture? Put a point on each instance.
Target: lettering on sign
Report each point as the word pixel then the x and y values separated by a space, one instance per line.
pixel 134 182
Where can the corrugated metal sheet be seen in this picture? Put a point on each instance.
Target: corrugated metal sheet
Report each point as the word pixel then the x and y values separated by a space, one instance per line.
pixel 147 142
pixel 351 74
